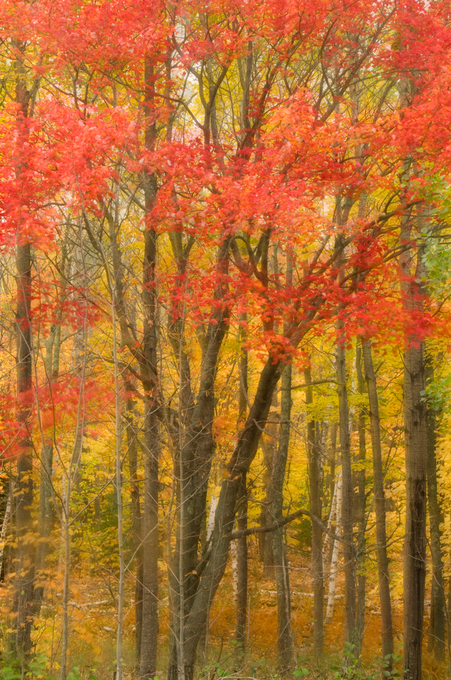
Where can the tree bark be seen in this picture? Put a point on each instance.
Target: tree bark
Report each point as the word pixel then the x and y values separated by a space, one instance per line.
pixel 415 429
pixel 285 648
pixel 360 508
pixel 335 550
pixel 20 640
pixel 437 622
pixel 149 623
pixel 347 502
pixel 195 450
pixel 379 502
pixel 241 543
pixel 45 519
pixel 135 512
pixel 242 571
pixel 315 487
pixel 24 562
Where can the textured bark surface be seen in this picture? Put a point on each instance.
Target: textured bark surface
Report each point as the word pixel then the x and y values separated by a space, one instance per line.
pixel 335 551
pixel 285 647
pixel 149 620
pixel 23 494
pixel 315 488
pixel 45 521
pixel 347 502
pixel 20 638
pixel 241 544
pixel 360 509
pixel 437 621
pixel 415 432
pixel 242 570
pixel 379 502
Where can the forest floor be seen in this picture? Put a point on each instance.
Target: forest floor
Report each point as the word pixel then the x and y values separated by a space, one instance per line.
pixel 93 625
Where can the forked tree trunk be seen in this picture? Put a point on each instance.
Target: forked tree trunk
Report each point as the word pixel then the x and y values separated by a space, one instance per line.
pixel 379 502
pixel 195 453
pixel 315 487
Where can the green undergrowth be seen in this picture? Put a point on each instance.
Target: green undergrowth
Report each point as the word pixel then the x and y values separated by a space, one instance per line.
pixel 232 666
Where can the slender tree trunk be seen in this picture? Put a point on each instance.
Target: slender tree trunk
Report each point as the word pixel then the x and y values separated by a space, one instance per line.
pixel 45 520
pixel 23 494
pixel 436 636
pixel 379 502
pixel 149 629
pixel 70 479
pixel 4 529
pixel 135 511
pixel 270 453
pixel 285 649
pixel 347 502
pixel 332 482
pixel 315 485
pixel 241 543
pixel 415 427
pixel 118 484
pixel 24 564
pixel 241 570
pixel 335 555
pixel 149 625
pixel 361 509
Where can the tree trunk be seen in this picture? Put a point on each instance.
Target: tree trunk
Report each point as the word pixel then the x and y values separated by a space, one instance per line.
pixel 335 551
pixel 379 502
pixel 20 640
pixel 135 512
pixel 436 635
pixel 269 447
pixel 315 488
pixel 25 550
pixel 195 450
pixel 415 427
pixel 45 521
pixel 347 502
pixel 331 482
pixel 149 625
pixel 361 509
pixel 285 649
pixel 241 543
pixel 241 569
pixel 4 529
